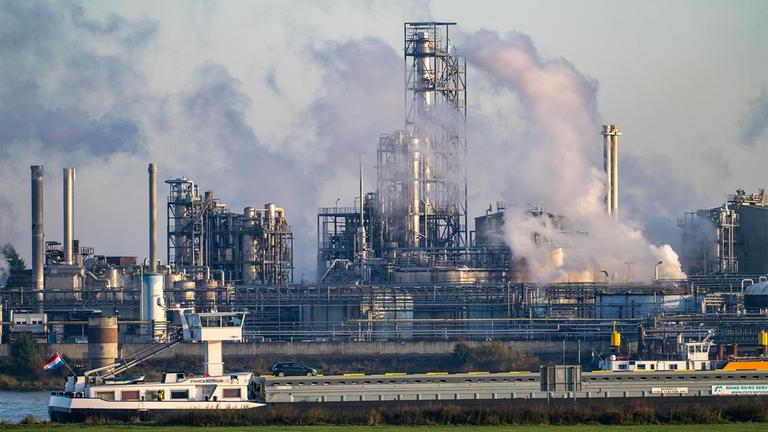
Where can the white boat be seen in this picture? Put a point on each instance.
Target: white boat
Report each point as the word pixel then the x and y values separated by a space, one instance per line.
pixel 98 394
pixel 690 356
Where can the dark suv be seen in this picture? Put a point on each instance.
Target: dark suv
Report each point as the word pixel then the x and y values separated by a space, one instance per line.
pixel 291 369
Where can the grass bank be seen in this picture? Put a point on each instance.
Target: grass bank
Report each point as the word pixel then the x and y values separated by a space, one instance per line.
pixel 27 383
pixel 727 427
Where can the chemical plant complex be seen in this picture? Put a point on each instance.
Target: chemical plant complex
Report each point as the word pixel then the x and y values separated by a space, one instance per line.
pixel 402 264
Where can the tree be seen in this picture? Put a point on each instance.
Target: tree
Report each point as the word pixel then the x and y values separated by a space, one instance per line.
pixel 15 262
pixel 25 354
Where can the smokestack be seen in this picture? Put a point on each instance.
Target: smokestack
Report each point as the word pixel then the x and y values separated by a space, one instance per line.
pixel 615 170
pixel 152 169
pixel 610 135
pixel 69 209
pixel 38 235
pixel 607 167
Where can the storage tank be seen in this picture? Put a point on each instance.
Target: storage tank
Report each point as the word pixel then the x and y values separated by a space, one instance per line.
pixel 756 297
pixel 206 292
pixel 102 341
pixel 153 304
pixel 185 290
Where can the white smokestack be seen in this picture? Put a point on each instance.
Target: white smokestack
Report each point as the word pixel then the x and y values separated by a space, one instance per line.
pixel 152 170
pixel 611 165
pixel 38 233
pixel 68 213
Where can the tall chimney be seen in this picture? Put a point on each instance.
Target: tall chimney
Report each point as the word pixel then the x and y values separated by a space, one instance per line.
pixel 610 135
pixel 615 170
pixel 38 235
pixel 69 209
pixel 152 169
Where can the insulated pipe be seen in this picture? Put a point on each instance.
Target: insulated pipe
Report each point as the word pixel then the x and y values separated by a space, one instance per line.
pixel 69 209
pixel 38 235
pixel 152 170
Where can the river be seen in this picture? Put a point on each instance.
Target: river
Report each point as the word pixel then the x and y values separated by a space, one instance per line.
pixel 15 405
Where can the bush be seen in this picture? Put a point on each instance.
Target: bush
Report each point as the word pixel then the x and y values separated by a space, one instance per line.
pixel 493 356
pixel 26 355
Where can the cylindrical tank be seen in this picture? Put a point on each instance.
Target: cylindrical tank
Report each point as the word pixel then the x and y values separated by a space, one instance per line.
pixel 113 275
pixel 271 213
pixel 206 292
pixel 185 290
pixel 102 341
pixel 153 303
pixel 615 338
pixel 763 339
pixel 171 294
pixel 756 297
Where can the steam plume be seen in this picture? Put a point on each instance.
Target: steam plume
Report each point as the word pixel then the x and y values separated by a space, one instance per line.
pixel 557 164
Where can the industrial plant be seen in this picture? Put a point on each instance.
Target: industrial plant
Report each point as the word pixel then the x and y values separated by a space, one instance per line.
pixel 401 264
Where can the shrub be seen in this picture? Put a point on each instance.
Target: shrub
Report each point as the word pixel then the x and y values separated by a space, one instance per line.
pixel 26 355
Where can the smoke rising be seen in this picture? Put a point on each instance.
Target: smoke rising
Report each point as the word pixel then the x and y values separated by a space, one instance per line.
pixel 556 164
pixel 78 91
pixel 107 94
pixel 755 123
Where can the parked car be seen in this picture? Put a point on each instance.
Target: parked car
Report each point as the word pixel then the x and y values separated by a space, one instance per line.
pixel 292 369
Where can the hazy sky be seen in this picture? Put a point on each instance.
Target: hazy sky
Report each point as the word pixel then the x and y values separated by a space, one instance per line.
pixel 274 102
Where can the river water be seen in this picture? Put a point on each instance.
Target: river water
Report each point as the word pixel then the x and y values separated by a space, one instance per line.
pixel 14 405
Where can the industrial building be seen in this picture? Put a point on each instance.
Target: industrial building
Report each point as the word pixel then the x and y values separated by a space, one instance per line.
pixel 732 238
pixel 401 263
pixel 253 247
pixel 414 226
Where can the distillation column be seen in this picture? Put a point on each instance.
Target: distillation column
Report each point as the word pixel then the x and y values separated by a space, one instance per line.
pixel 361 239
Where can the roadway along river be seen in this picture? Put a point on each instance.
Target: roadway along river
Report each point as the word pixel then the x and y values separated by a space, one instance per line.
pixel 15 405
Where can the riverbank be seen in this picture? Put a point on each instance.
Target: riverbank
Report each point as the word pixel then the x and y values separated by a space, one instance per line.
pixel 27 384
pixel 723 427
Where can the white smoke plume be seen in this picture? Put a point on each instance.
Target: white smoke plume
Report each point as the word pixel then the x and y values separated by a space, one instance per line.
pixel 557 163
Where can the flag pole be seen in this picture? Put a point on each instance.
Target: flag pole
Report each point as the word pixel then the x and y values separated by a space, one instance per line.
pixel 63 358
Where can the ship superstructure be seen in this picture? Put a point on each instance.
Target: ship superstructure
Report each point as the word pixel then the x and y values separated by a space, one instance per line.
pixel 100 393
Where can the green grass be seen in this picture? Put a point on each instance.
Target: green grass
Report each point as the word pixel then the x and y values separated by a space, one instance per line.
pixel 727 427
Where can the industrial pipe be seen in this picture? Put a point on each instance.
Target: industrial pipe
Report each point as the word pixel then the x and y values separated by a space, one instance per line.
pixel 69 204
pixel 38 235
pixel 152 169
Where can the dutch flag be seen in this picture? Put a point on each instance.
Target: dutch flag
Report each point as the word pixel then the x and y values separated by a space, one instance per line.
pixel 53 363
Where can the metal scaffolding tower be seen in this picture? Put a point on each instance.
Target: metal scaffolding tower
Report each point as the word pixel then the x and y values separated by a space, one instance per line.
pixel 421 170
